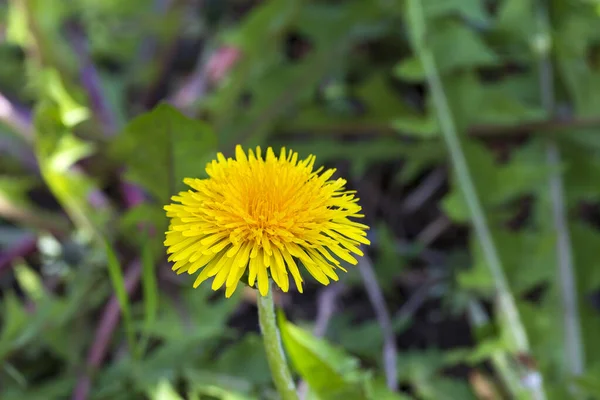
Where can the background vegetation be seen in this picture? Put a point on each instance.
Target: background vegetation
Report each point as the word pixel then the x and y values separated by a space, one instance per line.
pixel 483 278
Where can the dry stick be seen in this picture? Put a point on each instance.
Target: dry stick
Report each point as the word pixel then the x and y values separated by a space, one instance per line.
pixel 365 266
pixel 433 230
pixel 325 310
pixel 104 331
pixel 574 348
pixel 424 191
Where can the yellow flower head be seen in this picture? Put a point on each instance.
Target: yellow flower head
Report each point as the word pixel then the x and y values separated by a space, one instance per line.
pixel 261 214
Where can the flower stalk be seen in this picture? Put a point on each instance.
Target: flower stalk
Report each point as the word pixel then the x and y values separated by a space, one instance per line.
pixel 282 377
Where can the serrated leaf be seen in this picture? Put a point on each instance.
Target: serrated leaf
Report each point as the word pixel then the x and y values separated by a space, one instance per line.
pixel 329 371
pixel 15 318
pixel 425 126
pixel 70 111
pixel 495 183
pixel 58 150
pixel 377 390
pixel 516 19
pixel 14 190
pixel 245 359
pixel 161 147
pixel 528 260
pixel 470 9
pixel 499 106
pixel 164 391
pixel 446 388
pixel 30 282
pixel 202 381
pixel 472 52
pixel 581 167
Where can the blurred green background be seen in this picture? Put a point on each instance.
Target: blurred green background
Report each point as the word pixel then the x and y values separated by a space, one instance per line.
pixel 482 281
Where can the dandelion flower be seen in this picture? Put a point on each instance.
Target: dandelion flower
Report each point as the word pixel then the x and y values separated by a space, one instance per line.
pixel 260 216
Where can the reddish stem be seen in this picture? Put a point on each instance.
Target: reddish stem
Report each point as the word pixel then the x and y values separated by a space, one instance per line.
pixel 24 248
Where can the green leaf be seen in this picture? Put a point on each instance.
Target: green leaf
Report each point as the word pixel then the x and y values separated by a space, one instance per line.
pixel 379 391
pixel 516 20
pixel 497 105
pixel 589 382
pixel 164 391
pixel 528 259
pixel 425 126
pixel 581 166
pixel 58 150
pixel 470 9
pixel 30 282
pixel 161 147
pixel 14 190
pixel 245 359
pixel 472 52
pixel 586 242
pixel 497 183
pixel 204 382
pixel 14 318
pixel 70 111
pixel 329 371
pixel 438 388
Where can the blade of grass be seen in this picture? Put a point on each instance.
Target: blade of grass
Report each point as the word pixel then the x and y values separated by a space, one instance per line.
pixel 118 282
pixel 505 301
pixel 573 345
pixel 150 291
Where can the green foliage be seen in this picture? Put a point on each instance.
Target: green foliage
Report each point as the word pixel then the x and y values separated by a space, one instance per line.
pixel 329 372
pixel 342 81
pixel 177 146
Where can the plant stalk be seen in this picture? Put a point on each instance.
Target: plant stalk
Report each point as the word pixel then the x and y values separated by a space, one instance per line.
pixel 505 301
pixel 282 377
pixel 567 282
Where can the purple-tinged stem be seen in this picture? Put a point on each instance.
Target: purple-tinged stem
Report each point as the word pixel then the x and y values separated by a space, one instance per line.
pixel 25 247
pixel 16 117
pixel 90 80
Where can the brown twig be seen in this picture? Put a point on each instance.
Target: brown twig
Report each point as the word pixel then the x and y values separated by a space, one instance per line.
pixel 104 331
pixel 417 198
pixel 433 230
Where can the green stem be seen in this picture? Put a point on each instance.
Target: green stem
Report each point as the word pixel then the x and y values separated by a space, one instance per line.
pixel 505 301
pixel 275 356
